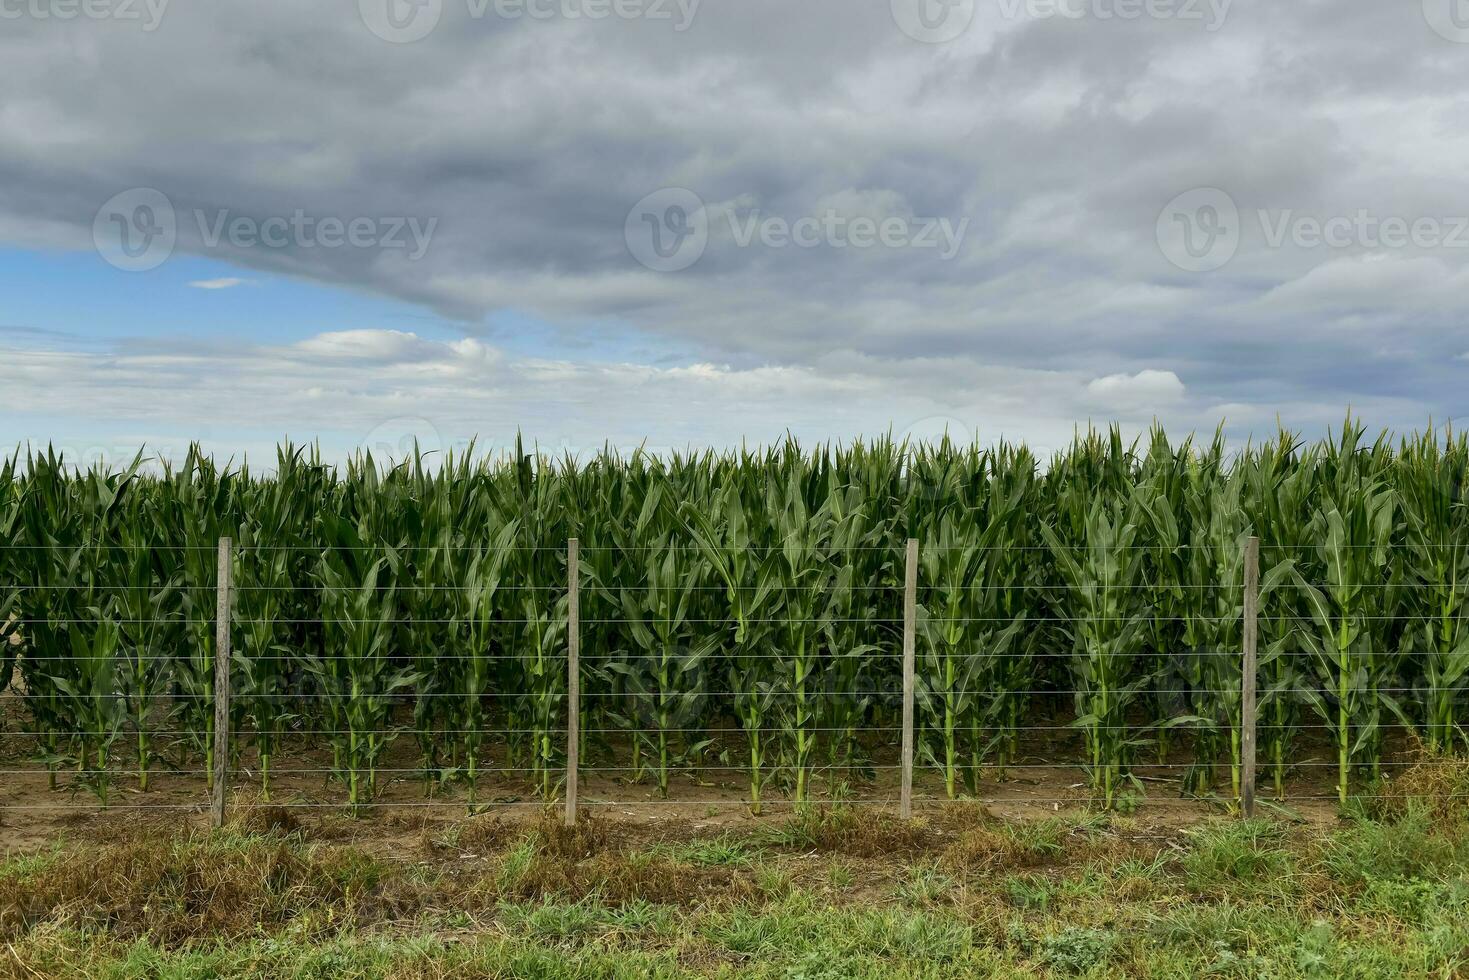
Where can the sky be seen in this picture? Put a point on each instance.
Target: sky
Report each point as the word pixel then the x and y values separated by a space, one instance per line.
pixel 682 224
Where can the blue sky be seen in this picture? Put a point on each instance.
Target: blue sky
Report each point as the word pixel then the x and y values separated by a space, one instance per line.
pixel 75 298
pixel 82 299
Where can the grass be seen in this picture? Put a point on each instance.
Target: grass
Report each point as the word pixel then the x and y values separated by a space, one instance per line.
pixel 723 851
pixel 925 885
pixel 1244 855
pixel 961 894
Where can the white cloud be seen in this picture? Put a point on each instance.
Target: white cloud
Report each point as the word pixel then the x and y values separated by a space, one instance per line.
pixel 381 388
pixel 1140 390
pixel 226 283
pixel 348 385
pixel 386 346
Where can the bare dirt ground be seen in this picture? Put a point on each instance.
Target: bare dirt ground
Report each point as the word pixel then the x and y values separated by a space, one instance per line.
pixel 32 815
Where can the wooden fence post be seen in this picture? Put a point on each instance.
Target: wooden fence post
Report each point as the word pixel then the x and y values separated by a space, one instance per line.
pixel 223 612
pixel 573 675
pixel 1249 668
pixel 910 616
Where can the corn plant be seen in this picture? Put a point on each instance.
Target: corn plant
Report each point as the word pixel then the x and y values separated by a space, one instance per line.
pixel 1430 479
pixel 93 698
pixel 665 676
pixel 1352 526
pixel 1161 481
pixel 1280 482
pixel 803 575
pixel 13 567
pixel 432 511
pixel 862 573
pixel 1213 600
pixel 613 496
pixel 480 612
pixel 751 592
pixel 966 633
pixel 72 538
pixel 147 609
pixel 50 536
pixel 356 678
pixel 200 510
pixel 538 650
pixel 1102 573
pixel 263 650
pixel 1014 568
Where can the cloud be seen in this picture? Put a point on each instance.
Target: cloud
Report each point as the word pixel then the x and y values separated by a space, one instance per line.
pixel 1060 141
pixel 226 283
pixel 381 388
pixel 1148 387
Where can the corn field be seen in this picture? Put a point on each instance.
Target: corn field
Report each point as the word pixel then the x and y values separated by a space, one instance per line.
pixel 741 612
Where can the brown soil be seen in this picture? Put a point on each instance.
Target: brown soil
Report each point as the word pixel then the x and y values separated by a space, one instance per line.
pixel 32 814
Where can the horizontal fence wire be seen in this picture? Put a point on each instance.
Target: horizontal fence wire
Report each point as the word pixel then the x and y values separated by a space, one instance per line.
pixel 1073 727
pixel 815 770
pixel 244 546
pixel 877 655
pixel 654 694
pixel 934 604
pixel 312 587
pixel 728 623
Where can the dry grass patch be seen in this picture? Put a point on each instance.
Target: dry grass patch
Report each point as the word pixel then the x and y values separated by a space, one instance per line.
pixel 181 887
pixel 992 844
pixel 477 836
pixel 595 858
pixel 1437 785
pixel 618 879
pixel 264 819
pixel 590 835
pixel 832 828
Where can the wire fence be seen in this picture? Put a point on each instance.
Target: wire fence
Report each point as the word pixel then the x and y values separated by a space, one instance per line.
pixel 902 715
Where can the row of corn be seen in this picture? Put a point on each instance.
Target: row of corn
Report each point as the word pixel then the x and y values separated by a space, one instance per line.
pixel 742 612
